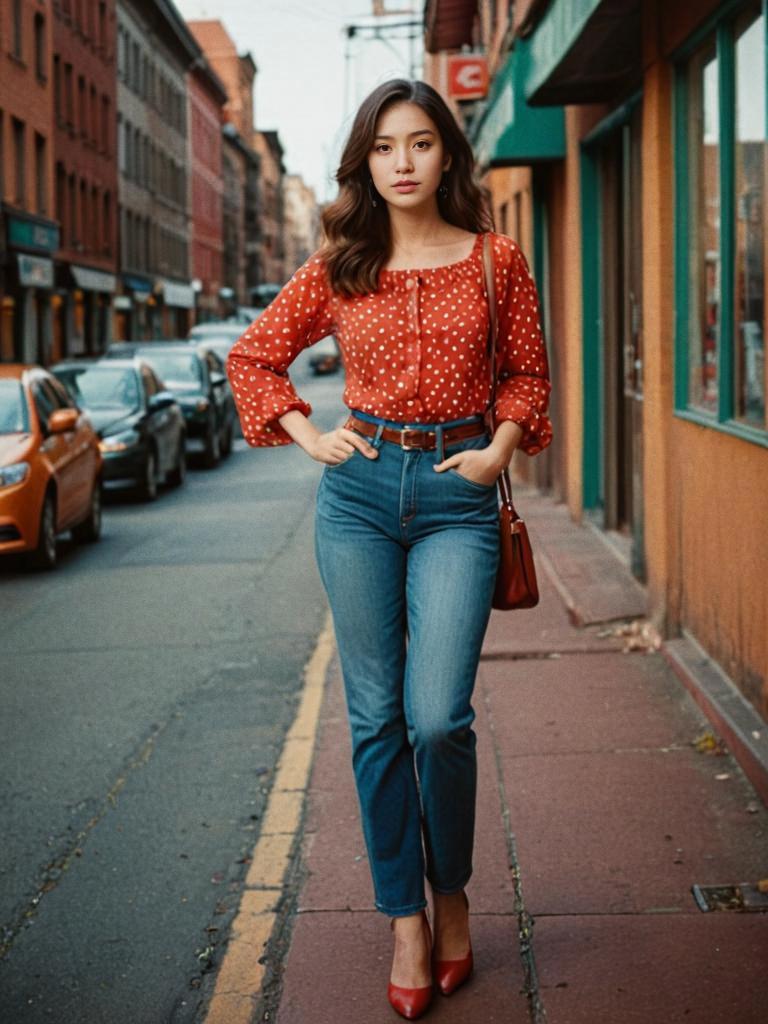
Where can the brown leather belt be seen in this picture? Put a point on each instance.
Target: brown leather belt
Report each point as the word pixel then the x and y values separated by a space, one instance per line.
pixel 408 437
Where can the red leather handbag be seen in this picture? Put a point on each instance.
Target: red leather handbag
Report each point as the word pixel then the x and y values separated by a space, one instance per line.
pixel 516 585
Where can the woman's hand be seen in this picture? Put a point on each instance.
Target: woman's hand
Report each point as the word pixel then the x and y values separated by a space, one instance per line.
pixel 337 445
pixel 485 464
pixel 482 467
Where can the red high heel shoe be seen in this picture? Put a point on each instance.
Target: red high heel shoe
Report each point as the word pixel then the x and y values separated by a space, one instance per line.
pixel 449 974
pixel 411 1002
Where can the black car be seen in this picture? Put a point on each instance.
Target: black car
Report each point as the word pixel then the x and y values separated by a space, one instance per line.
pixel 197 378
pixel 139 422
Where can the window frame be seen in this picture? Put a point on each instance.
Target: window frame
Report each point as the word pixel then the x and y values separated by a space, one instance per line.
pixel 721 25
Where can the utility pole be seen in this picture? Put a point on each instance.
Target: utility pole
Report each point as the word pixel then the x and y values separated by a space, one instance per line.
pixel 383 31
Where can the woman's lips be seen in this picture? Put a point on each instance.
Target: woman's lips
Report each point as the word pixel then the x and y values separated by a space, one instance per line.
pixel 406 188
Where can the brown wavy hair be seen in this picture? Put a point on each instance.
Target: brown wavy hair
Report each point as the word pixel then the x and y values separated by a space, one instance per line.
pixel 357 234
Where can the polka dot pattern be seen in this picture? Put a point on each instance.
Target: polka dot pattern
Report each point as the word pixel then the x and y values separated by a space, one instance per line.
pixel 414 350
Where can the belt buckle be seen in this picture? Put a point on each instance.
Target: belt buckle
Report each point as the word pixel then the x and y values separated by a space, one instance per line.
pixel 404 443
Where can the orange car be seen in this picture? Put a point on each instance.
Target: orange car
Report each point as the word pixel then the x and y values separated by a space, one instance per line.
pixel 50 466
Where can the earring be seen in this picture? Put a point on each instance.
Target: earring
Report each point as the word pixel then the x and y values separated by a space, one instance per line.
pixel 372 192
pixel 443 190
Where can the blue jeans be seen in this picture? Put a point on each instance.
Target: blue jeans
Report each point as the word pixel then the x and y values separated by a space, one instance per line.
pixel 408 559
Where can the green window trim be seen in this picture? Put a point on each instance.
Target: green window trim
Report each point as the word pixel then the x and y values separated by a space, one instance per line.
pixel 722 25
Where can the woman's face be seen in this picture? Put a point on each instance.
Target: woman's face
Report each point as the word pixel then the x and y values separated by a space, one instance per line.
pixel 407 146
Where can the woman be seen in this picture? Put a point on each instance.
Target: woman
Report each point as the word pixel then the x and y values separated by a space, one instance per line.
pixel 406 528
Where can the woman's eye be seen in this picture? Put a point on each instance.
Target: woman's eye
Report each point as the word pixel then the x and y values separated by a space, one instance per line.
pixel 384 145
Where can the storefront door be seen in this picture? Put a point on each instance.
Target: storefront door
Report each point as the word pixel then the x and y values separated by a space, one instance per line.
pixel 613 337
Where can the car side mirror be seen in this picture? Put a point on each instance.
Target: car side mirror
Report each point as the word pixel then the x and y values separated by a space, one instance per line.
pixel 162 400
pixel 63 420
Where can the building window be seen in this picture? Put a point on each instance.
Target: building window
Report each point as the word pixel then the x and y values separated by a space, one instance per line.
pixel 61 204
pixel 106 220
pixel 40 68
pixel 704 284
pixel 84 218
pixel 69 113
pixel 72 207
pixel 103 27
pixel 82 115
pixel 94 119
pixel 41 175
pixel 96 228
pixel 720 180
pixel 17 33
pixel 105 139
pixel 18 132
pixel 750 170
pixel 57 88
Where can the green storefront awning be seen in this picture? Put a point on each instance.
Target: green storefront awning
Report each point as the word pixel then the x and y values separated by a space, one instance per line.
pixel 510 131
pixel 585 51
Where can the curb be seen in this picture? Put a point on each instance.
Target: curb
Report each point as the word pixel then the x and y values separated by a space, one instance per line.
pixel 736 720
pixel 241 974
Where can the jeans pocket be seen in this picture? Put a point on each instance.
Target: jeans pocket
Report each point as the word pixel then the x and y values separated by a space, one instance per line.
pixel 470 444
pixel 472 483
pixel 344 462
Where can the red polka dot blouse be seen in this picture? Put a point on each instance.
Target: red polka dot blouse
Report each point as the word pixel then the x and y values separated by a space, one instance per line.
pixel 414 351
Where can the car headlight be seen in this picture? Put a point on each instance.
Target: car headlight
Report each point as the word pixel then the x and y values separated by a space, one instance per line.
pixel 119 442
pixel 13 474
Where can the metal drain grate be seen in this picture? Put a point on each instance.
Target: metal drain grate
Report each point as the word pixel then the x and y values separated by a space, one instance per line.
pixel 745 897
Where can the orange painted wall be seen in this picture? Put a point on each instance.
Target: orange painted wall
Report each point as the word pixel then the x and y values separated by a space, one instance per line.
pixel 706 492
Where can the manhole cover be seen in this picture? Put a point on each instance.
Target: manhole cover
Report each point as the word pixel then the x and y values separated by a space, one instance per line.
pixel 745 897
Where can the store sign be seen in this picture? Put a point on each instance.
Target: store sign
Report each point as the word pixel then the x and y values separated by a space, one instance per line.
pixel 30 234
pixel 176 294
pixel 467 77
pixel 93 280
pixel 35 272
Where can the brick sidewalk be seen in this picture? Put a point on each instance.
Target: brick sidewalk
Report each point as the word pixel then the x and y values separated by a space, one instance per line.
pixel 595 816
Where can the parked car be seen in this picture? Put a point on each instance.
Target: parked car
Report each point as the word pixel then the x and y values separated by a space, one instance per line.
pixel 324 356
pixel 196 376
pixel 262 294
pixel 218 335
pixel 50 466
pixel 139 422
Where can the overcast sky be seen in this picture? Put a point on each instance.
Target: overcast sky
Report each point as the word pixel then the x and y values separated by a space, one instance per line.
pixel 301 87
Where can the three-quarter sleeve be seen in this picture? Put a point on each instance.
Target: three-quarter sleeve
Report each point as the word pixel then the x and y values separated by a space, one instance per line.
pixel 257 364
pixel 523 385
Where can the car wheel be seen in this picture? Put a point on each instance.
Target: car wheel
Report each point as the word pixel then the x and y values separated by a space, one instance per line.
pixel 212 448
pixel 178 474
pixel 90 529
pixel 44 555
pixel 148 486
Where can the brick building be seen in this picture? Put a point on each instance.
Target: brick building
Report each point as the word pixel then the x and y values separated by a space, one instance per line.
pixel 272 263
pixel 237 72
pixel 85 174
pixel 302 221
pixel 29 233
pixel 207 97
pixel 155 52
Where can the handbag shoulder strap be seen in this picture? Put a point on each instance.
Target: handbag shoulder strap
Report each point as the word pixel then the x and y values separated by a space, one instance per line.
pixel 505 485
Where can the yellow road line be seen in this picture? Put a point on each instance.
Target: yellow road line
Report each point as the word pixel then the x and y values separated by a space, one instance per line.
pixel 240 976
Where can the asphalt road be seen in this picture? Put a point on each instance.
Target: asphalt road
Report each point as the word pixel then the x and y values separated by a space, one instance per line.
pixel 146 687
